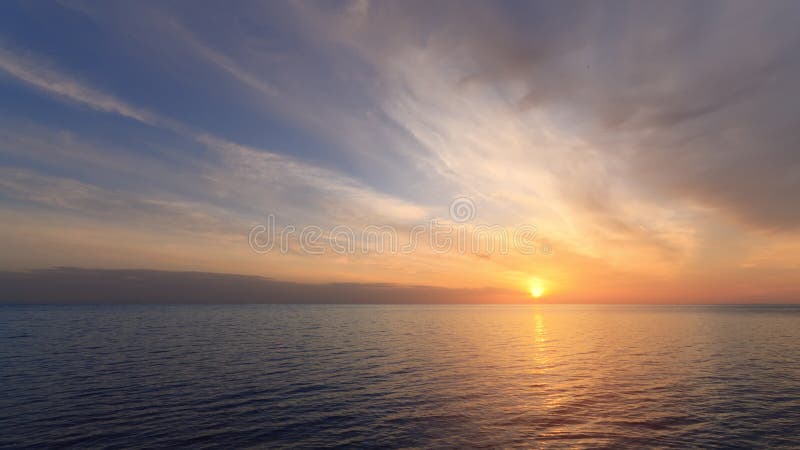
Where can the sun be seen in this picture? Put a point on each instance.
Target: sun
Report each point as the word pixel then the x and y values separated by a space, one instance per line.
pixel 536 288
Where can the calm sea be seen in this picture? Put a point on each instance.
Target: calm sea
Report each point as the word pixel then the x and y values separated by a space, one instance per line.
pixel 399 376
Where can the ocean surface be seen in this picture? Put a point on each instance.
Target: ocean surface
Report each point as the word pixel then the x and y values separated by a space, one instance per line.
pixel 399 376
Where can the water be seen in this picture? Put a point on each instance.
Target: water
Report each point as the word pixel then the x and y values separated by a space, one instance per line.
pixel 399 376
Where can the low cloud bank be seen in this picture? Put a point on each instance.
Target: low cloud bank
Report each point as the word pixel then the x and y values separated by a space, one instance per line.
pixel 65 285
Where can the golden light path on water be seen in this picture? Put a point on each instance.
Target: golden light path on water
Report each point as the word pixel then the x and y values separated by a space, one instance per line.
pixel 460 376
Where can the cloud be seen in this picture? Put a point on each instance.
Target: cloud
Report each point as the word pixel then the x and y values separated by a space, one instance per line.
pixel 86 286
pixel 303 191
pixel 270 178
pixel 133 209
pixel 41 75
pixel 629 133
pixel 697 100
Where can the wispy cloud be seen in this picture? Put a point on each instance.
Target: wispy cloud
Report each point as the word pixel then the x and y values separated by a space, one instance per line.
pixel 263 170
pixel 645 141
pixel 41 75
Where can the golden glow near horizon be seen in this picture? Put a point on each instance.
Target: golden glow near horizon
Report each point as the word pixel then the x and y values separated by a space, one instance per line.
pixel 564 164
pixel 536 288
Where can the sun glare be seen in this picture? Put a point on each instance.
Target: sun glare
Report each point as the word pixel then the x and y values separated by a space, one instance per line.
pixel 537 289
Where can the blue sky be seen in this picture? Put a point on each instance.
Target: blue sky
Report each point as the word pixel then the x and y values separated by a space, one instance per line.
pixel 654 145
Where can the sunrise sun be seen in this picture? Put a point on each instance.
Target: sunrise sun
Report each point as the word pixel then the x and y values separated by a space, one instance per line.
pixel 536 288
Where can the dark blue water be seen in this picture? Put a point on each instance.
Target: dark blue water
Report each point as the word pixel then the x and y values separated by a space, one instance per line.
pixel 399 376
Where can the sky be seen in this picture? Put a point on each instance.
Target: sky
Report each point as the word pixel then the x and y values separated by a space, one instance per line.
pixel 654 146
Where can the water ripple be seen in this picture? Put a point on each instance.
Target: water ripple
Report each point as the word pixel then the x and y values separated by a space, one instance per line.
pixel 399 376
